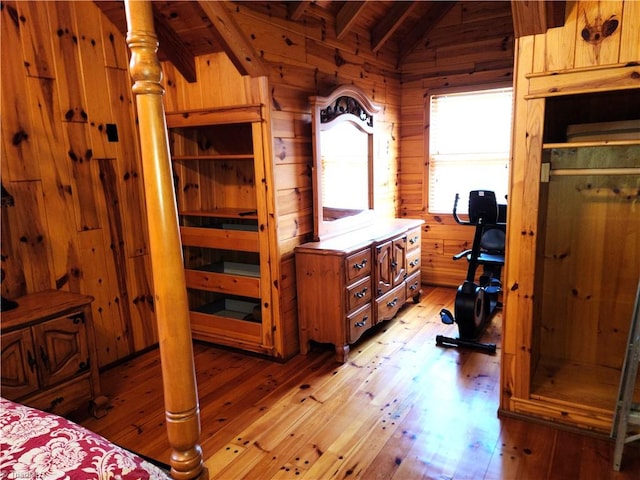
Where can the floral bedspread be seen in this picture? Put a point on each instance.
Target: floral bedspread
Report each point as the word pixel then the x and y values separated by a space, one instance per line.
pixel 35 445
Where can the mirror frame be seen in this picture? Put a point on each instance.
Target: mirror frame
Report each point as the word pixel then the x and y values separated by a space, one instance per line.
pixel 363 119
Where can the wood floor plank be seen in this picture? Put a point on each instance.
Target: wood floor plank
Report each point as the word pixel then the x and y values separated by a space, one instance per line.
pixel 401 408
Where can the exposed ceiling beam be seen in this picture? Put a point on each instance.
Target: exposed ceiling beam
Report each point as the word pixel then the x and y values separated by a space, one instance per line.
pixel 426 23
pixel 174 48
pixel 536 16
pixel 234 41
pixel 390 23
pixel 347 17
pixel 296 9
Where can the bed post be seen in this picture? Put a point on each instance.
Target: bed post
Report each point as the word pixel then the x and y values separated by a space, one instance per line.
pixel 170 297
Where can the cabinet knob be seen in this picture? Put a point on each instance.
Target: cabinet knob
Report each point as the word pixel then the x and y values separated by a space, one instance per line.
pixel 82 366
pixel 392 303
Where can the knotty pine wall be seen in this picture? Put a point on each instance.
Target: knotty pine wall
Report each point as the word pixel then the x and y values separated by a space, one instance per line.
pixel 302 61
pixel 481 57
pixel 79 221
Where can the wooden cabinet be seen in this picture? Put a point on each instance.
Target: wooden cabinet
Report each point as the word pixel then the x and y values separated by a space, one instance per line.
pixel 223 204
pixel 48 352
pixel 349 283
pixel 573 241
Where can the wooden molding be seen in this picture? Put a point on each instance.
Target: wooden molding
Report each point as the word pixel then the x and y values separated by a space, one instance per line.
pixel 346 17
pixel 174 48
pixel 385 29
pixel 234 41
pixel 428 21
pixel 536 16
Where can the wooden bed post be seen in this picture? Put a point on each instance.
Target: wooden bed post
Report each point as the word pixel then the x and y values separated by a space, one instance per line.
pixel 170 296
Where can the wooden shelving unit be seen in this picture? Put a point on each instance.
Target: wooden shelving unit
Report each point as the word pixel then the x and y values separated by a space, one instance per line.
pixel 218 165
pixel 568 307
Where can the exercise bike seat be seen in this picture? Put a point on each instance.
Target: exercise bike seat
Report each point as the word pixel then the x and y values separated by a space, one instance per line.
pixel 488 259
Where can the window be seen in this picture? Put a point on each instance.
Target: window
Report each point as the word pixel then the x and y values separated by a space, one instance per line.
pixel 469 146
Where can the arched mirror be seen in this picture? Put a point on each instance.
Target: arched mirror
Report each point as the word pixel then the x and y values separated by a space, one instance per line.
pixel 343 161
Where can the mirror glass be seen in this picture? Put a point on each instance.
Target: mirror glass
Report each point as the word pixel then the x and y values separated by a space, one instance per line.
pixel 345 171
pixel 343 161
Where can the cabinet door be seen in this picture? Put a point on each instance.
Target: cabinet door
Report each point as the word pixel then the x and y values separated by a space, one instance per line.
pixel 384 275
pixel 62 350
pixel 399 260
pixel 19 372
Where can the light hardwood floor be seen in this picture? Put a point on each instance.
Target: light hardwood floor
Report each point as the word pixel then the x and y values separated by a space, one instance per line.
pixel 400 409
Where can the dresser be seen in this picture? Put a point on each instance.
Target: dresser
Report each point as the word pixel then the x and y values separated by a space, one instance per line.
pixel 351 282
pixel 48 353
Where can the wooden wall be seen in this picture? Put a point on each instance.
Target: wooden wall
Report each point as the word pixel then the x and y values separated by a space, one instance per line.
pixel 481 57
pixel 78 222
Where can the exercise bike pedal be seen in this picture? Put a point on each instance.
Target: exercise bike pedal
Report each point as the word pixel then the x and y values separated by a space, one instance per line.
pixel 447 317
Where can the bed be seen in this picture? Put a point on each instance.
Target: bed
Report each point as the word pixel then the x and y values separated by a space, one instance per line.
pixel 35 444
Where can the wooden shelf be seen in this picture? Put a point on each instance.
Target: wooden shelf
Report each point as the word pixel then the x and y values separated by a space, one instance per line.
pixel 218 157
pixel 215 116
pixel 226 277
pixel 219 238
pixel 241 213
pixel 577 383
pixel 600 143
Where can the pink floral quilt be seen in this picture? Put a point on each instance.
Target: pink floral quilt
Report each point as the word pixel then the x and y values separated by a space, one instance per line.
pixel 38 445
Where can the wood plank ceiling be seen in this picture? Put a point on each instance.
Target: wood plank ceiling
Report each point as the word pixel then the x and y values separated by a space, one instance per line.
pixel 187 29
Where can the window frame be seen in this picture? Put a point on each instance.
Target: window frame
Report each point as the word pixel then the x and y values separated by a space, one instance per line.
pixel 427 137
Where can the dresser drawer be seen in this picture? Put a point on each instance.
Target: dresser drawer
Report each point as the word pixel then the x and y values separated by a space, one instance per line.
pixel 413 261
pixel 389 304
pixel 358 265
pixel 358 294
pixel 413 239
pixel 359 322
pixel 414 285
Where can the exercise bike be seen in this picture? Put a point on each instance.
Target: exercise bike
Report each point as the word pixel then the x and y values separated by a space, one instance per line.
pixel 476 303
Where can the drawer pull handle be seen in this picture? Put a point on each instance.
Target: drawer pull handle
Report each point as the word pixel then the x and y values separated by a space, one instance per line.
pixel 44 357
pixel 54 403
pixel 362 323
pixel 414 286
pixel 31 360
pixel 414 263
pixel 361 294
pixel 394 264
pixel 76 319
pixel 414 240
pixel 392 303
pixel 361 265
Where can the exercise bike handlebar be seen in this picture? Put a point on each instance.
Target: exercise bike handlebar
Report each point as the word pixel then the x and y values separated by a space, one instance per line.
pixel 455 212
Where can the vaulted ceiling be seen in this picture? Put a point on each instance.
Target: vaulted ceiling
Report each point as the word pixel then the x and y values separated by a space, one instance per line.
pixel 187 29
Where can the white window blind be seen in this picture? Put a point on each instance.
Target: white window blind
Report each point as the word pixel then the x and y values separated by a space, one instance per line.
pixel 469 146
